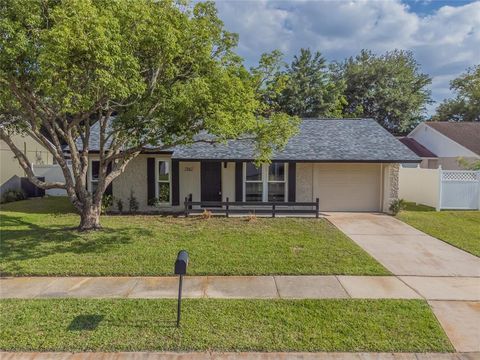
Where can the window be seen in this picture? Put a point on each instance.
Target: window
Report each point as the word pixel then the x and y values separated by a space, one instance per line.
pixel 276 182
pixel 94 173
pixel 266 183
pixel 253 183
pixel 163 181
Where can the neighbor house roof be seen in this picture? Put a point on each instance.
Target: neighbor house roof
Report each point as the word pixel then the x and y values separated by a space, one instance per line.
pixel 466 134
pixel 417 148
pixel 327 140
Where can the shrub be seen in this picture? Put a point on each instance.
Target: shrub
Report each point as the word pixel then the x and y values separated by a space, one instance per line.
pixel 120 205
pixel 107 201
pixel 133 204
pixel 397 205
pixel 13 195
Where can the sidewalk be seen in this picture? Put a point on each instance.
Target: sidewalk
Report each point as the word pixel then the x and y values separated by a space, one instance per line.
pixel 246 287
pixel 236 356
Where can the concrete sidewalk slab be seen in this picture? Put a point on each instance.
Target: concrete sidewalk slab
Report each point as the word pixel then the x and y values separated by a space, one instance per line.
pixel 241 287
pixel 402 249
pixel 377 287
pixel 167 287
pixel 246 287
pixel 461 322
pixel 445 288
pixel 115 287
pixel 310 287
pixel 236 356
pixel 60 287
pixel 24 287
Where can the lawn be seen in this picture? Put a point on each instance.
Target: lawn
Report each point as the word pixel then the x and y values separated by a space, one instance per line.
pixel 459 228
pixel 38 239
pixel 221 325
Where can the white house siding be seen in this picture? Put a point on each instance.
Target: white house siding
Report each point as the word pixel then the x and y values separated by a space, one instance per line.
pixel 228 181
pixel 134 178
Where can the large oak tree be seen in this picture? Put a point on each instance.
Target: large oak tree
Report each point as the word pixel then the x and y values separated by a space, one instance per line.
pixel 146 72
pixel 389 88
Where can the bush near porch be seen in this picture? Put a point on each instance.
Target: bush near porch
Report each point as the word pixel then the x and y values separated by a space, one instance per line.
pixel 458 228
pixel 38 239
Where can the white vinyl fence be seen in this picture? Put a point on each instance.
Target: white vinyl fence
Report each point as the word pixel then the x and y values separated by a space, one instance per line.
pixel 441 189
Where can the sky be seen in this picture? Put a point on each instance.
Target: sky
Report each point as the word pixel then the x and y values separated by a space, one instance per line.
pixel 443 35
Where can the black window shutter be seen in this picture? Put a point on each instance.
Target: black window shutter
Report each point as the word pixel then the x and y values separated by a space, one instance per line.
pixel 292 181
pixel 238 181
pixel 109 189
pixel 150 180
pixel 175 183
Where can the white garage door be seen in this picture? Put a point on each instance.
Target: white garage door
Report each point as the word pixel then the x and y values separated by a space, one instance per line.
pixel 347 187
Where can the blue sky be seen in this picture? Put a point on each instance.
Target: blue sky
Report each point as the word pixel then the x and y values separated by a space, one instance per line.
pixel 443 35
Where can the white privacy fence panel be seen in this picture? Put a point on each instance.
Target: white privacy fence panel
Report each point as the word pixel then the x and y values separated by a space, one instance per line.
pixel 459 189
pixel 442 189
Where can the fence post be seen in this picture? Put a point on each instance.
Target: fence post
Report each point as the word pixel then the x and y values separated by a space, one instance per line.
pixel 317 208
pixel 186 206
pixel 478 189
pixel 440 176
pixel 227 208
pixel 273 210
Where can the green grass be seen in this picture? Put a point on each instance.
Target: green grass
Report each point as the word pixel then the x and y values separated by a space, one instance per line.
pixel 459 228
pixel 38 239
pixel 222 325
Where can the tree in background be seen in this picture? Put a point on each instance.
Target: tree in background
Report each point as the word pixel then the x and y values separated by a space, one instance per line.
pixel 389 88
pixel 466 105
pixel 141 72
pixel 310 90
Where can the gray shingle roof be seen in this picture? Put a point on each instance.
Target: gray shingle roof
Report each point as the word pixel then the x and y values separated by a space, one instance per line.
pixel 317 140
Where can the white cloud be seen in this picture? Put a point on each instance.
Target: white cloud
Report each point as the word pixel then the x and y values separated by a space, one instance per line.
pixel 445 43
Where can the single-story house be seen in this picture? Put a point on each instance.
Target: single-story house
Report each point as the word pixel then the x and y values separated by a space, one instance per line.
pixel 448 141
pixel 348 164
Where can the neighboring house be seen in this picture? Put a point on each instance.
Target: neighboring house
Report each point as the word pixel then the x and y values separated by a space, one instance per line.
pixel 429 159
pixel 350 165
pixel 35 152
pixel 449 141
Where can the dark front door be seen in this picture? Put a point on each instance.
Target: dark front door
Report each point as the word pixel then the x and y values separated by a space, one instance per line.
pixel 211 181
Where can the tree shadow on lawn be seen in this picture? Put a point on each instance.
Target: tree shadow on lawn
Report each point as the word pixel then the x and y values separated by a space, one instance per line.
pixel 35 241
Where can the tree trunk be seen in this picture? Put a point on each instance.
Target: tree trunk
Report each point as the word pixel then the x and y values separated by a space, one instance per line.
pixel 90 218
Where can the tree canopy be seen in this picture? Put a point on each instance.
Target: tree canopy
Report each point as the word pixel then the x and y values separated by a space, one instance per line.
pixel 465 106
pixel 146 72
pixel 304 88
pixel 388 88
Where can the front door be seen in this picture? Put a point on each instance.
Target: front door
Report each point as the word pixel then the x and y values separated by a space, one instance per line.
pixel 211 180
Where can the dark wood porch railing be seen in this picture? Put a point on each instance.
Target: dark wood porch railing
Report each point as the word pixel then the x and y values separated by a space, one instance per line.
pixel 243 207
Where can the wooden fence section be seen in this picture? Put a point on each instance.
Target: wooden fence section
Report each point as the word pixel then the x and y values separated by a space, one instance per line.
pixel 242 207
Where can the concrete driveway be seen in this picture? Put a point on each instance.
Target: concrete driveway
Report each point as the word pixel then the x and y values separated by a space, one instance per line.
pixel 403 249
